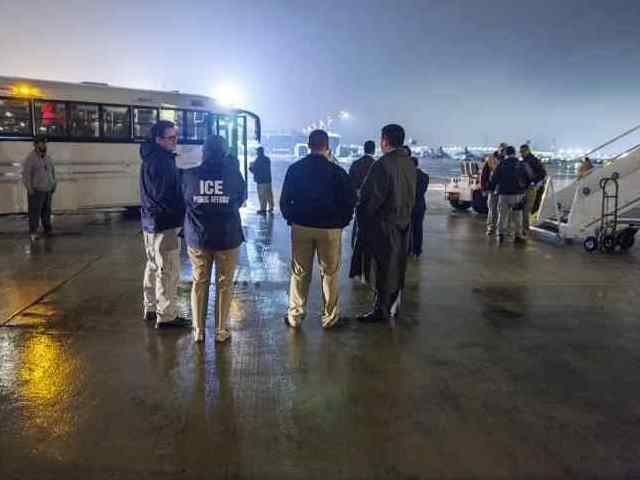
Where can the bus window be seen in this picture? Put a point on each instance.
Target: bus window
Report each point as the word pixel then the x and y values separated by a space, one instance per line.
pixel 143 120
pixel 15 118
pixel 50 118
pixel 84 121
pixel 116 123
pixel 174 116
pixel 196 126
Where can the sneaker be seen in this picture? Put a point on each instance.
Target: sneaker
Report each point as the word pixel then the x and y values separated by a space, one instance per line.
pixel 34 237
pixel 338 323
pixel 289 324
pixel 372 317
pixel 178 322
pixel 222 335
pixel 150 317
pixel 490 233
pixel 519 240
pixel 198 336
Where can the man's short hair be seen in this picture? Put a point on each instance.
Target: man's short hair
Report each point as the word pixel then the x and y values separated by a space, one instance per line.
pixel 524 147
pixel 394 135
pixel 369 147
pixel 407 149
pixel 509 151
pixel 260 150
pixel 318 140
pixel 160 127
pixel 39 139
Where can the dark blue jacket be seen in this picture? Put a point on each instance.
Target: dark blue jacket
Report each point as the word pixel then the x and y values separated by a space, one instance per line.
pixel 214 193
pixel 422 184
pixel 261 170
pixel 509 177
pixel 317 193
pixel 161 202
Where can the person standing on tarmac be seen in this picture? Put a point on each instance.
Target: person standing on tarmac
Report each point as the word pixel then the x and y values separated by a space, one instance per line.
pixel 162 212
pixel 214 192
pixel 419 209
pixel 383 214
pixel 360 168
pixel 261 169
pixel 489 166
pixel 358 172
pixel 537 175
pixel 317 200
pixel 39 178
pixel 510 182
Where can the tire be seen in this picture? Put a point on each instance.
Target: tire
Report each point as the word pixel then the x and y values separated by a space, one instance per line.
pixel 590 244
pixel 460 205
pixel 479 202
pixel 626 238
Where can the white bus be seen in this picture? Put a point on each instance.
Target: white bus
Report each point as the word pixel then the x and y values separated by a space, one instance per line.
pixel 94 133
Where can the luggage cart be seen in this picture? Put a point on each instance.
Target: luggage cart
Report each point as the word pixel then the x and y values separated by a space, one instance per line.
pixel 609 236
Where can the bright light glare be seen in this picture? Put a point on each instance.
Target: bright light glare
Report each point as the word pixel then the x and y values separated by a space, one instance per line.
pixel 345 115
pixel 228 95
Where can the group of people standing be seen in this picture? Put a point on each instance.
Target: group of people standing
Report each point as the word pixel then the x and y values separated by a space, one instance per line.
pixel 318 201
pixel 513 187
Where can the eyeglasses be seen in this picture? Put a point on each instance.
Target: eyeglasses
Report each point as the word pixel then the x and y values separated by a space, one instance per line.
pixel 173 137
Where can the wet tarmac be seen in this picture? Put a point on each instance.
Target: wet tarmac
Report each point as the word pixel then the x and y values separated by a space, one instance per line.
pixel 505 362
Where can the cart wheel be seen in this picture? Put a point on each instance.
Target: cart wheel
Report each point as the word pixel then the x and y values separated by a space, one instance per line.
pixel 591 244
pixel 609 243
pixel 626 238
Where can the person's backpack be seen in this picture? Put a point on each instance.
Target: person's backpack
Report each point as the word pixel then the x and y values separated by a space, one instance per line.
pixel 524 175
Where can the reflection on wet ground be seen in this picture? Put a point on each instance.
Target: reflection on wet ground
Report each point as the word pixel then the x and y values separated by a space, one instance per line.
pixel 505 362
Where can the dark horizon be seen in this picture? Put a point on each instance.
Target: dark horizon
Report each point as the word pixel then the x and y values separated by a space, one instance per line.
pixel 451 72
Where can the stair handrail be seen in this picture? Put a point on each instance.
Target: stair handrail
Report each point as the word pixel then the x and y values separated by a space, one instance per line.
pixel 606 144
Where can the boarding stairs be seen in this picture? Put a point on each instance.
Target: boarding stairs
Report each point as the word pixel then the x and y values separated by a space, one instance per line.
pixel 575 211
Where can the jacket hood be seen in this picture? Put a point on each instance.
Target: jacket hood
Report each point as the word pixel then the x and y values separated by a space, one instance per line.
pixel 148 150
pixel 214 149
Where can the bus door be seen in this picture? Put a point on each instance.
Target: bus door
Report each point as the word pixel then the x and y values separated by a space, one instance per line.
pixel 233 129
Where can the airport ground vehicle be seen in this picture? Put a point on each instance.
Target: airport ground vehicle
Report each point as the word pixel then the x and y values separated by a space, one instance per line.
pixel 94 131
pixel 464 191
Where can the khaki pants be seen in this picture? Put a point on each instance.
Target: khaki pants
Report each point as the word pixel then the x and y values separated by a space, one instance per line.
pixel 305 242
pixel 265 195
pixel 202 262
pixel 532 193
pixel 161 274
pixel 492 214
pixel 510 219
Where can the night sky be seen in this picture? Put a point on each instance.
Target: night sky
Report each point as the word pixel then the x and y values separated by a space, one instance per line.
pixel 450 71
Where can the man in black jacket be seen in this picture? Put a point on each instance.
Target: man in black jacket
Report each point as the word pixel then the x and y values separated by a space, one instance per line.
pixel 162 211
pixel 383 214
pixel 360 168
pixel 419 210
pixel 317 200
pixel 510 179
pixel 537 175
pixel 261 170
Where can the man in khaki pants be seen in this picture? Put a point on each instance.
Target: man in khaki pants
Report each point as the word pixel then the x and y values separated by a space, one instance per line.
pixel 317 200
pixel 213 194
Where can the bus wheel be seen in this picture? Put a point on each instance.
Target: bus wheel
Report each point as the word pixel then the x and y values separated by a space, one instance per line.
pixel 459 204
pixel 132 212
